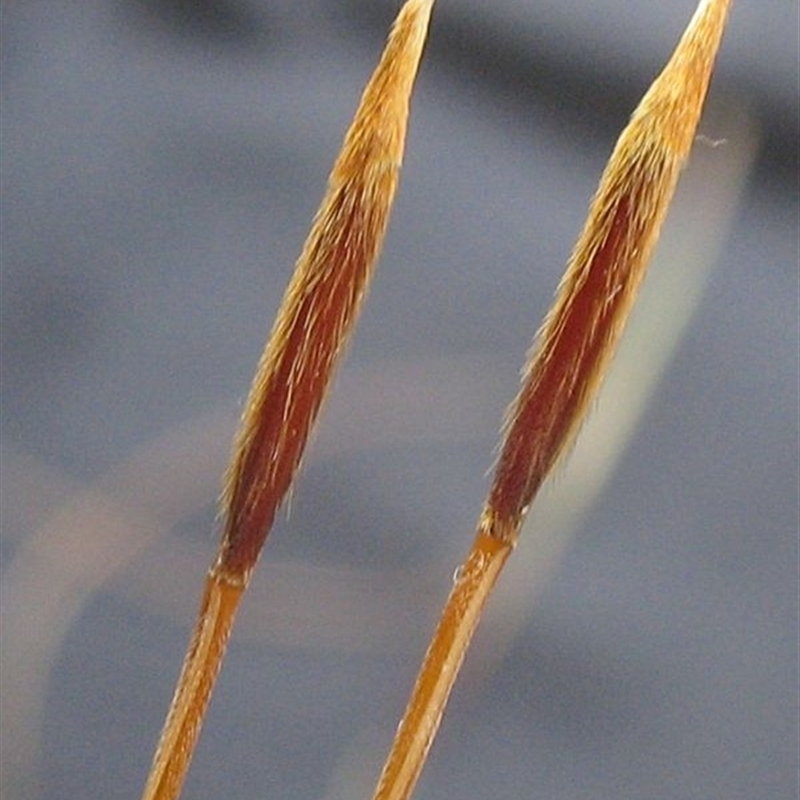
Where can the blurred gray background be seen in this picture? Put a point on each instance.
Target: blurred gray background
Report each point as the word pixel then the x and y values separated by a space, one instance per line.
pixel 161 161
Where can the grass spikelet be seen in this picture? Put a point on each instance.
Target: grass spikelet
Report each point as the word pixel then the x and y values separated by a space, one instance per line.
pixel 599 286
pixel 322 300
pixel 315 319
pixel 567 362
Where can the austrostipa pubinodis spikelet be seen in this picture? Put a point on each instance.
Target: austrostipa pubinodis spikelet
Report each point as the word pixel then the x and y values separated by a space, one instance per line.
pixel 314 321
pixel 567 362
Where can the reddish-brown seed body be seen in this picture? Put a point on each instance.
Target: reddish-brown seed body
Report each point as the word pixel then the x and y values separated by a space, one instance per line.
pixel 322 301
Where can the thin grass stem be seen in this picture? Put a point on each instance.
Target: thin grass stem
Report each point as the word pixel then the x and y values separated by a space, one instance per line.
pixel 567 362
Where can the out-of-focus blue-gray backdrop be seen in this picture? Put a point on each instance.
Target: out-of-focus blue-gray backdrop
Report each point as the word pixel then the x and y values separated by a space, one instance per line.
pixel 161 161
